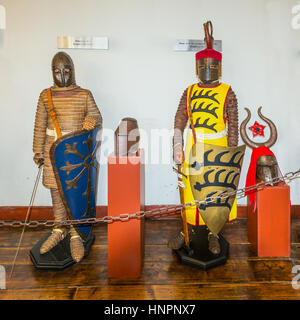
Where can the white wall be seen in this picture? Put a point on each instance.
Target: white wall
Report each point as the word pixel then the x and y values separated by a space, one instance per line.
pixel 140 76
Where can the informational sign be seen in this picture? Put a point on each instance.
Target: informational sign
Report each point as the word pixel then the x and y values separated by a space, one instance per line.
pixel 2 18
pixel 195 45
pixel 96 43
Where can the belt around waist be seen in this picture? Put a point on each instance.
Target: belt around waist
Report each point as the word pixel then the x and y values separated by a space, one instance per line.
pixel 210 136
pixel 52 133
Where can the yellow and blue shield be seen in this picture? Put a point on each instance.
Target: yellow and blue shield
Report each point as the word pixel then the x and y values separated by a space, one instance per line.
pixel 75 165
pixel 214 171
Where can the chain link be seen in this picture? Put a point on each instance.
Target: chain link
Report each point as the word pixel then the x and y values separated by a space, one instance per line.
pixel 240 193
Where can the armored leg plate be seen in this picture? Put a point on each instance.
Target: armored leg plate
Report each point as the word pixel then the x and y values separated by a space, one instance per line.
pixel 59 257
pixel 199 256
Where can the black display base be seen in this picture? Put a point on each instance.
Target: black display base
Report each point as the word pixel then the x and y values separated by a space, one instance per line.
pixel 59 257
pixel 199 256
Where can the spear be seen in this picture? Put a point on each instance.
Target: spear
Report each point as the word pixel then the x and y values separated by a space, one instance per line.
pixel 27 216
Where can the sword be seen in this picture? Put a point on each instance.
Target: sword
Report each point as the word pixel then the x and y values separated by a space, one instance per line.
pixel 185 226
pixel 27 215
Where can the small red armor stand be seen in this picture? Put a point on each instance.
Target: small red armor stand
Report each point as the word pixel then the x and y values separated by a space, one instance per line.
pixel 126 194
pixel 269 224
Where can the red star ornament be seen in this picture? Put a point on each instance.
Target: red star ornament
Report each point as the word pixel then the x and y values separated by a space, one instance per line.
pixel 257 129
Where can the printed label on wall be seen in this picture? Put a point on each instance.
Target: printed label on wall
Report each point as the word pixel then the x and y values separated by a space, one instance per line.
pixel 96 43
pixel 2 18
pixel 195 45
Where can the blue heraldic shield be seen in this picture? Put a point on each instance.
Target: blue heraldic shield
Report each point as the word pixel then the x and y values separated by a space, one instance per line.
pixel 75 165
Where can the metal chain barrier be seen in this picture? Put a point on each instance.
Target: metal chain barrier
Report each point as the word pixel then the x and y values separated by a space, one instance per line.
pixel 240 193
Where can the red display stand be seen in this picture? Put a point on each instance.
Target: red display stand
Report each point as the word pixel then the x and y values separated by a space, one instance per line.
pixel 269 224
pixel 126 181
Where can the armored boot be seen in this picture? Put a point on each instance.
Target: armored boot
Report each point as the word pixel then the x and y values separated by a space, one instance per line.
pixel 58 233
pixel 177 242
pixel 76 245
pixel 213 244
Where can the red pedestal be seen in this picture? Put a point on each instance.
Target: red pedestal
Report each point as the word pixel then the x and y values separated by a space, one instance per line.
pixel 126 181
pixel 269 224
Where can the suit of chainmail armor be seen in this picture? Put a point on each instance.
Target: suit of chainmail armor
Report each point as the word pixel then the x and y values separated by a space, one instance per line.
pixel 200 98
pixel 75 110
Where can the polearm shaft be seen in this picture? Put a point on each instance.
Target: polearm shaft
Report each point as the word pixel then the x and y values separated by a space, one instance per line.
pixel 37 180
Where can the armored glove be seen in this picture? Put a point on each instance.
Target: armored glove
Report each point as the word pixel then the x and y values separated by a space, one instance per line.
pixel 38 158
pixel 89 123
pixel 178 154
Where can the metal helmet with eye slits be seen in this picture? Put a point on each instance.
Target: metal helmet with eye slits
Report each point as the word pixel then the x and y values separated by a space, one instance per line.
pixel 208 61
pixel 63 70
pixel 266 166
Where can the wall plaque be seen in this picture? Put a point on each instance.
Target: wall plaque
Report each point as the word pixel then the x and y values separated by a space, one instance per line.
pixel 2 17
pixel 96 43
pixel 195 45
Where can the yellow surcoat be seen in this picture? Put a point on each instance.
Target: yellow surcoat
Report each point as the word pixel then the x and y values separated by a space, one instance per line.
pixel 207 105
